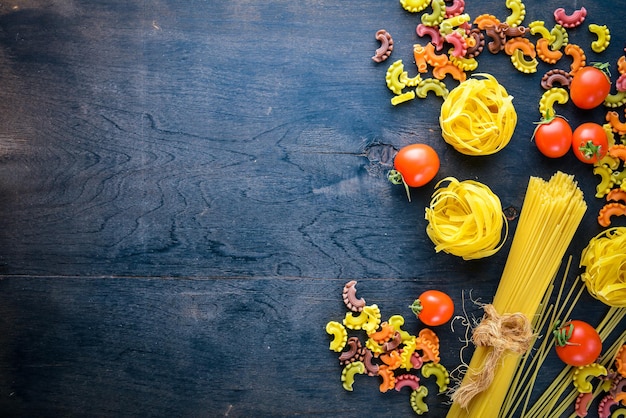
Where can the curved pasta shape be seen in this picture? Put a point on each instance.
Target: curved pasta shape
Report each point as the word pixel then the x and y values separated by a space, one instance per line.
pixel 478 117
pixel 518 12
pixel 431 85
pixel 546 54
pixel 437 15
pixel 583 373
pixel 466 219
pixel 538 27
pixel 558 37
pixel 348 373
pixel 414 6
pixel 549 98
pixel 395 75
pixel 522 64
pixel 418 404
pixel 579 59
pixel 604 37
pixel 570 21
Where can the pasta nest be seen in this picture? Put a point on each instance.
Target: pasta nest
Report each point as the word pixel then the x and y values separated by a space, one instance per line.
pixel 604 262
pixel 465 218
pixel 478 116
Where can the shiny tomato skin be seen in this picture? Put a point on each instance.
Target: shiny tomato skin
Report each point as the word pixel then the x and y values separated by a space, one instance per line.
pixel 554 137
pixel 589 142
pixel 437 308
pixel 418 164
pixel 583 347
pixel 589 87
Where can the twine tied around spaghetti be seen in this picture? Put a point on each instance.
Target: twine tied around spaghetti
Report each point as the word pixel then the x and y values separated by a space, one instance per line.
pixel 508 332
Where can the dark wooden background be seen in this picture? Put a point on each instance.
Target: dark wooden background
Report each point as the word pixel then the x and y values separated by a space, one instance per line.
pixel 185 187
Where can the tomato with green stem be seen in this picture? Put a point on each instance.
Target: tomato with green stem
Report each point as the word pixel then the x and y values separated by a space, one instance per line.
pixel 414 166
pixel 589 142
pixel 577 343
pixel 590 86
pixel 553 136
pixel 433 307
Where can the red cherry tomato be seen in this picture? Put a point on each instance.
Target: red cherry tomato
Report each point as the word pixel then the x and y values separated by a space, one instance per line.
pixel 589 142
pixel 578 343
pixel 433 307
pixel 553 137
pixel 589 87
pixel 417 163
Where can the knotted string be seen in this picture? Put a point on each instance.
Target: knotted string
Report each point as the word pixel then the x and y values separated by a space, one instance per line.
pixel 508 332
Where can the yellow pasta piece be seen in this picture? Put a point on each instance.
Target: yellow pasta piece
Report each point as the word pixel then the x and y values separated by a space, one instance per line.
pixel 431 85
pixel 414 6
pixel 438 14
pixel 604 37
pixel 518 12
pixel 478 117
pixel 465 219
pixel 558 37
pixel 549 97
pixel 603 260
pixel 615 100
pixel 538 27
pixel 396 77
pixel 522 64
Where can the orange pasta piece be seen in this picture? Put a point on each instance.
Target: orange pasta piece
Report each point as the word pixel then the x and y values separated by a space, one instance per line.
pixel 546 54
pixel 434 59
pixel 608 210
pixel 419 53
pixel 441 71
pixel 618 151
pixel 524 44
pixel 578 56
pixel 617 125
pixel 621 65
pixel 617 195
pixel 485 20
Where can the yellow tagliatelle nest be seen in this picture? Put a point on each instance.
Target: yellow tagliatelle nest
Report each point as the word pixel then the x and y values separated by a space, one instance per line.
pixel 604 261
pixel 478 117
pixel 465 218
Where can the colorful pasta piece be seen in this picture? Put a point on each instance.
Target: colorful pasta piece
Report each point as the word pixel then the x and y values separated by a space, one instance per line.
pixel 522 64
pixel 579 59
pixel 558 37
pixel 432 58
pixel 459 47
pixel 455 8
pixel 604 37
pixel 615 100
pixel 448 25
pixel 437 15
pixel 549 98
pixel 621 64
pixel 414 6
pixel 570 21
pixel 520 43
pixel 419 54
pixel 431 85
pixel 518 12
pixel 617 125
pixel 538 27
pixel 449 68
pixel 465 64
pixel 433 33
pixel 395 76
pixel 484 21
pixel 546 54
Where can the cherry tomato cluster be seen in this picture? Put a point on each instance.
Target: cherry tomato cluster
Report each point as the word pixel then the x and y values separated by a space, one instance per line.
pixel 554 136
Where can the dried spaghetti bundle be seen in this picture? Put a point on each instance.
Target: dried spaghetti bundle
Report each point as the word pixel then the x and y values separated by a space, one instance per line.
pixel 604 261
pixel 465 218
pixel 550 216
pixel 478 117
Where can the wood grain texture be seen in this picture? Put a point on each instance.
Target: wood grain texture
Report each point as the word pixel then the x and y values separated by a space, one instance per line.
pixel 186 187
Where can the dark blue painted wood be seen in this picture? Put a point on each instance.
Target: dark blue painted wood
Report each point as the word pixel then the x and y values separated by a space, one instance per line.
pixel 186 187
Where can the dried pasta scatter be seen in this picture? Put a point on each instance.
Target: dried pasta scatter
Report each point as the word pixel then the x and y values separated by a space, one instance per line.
pixel 478 116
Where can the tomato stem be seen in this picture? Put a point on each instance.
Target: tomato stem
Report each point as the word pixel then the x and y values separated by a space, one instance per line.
pixel 416 307
pixel 563 333
pixel 395 177
pixel 605 67
pixel 590 150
